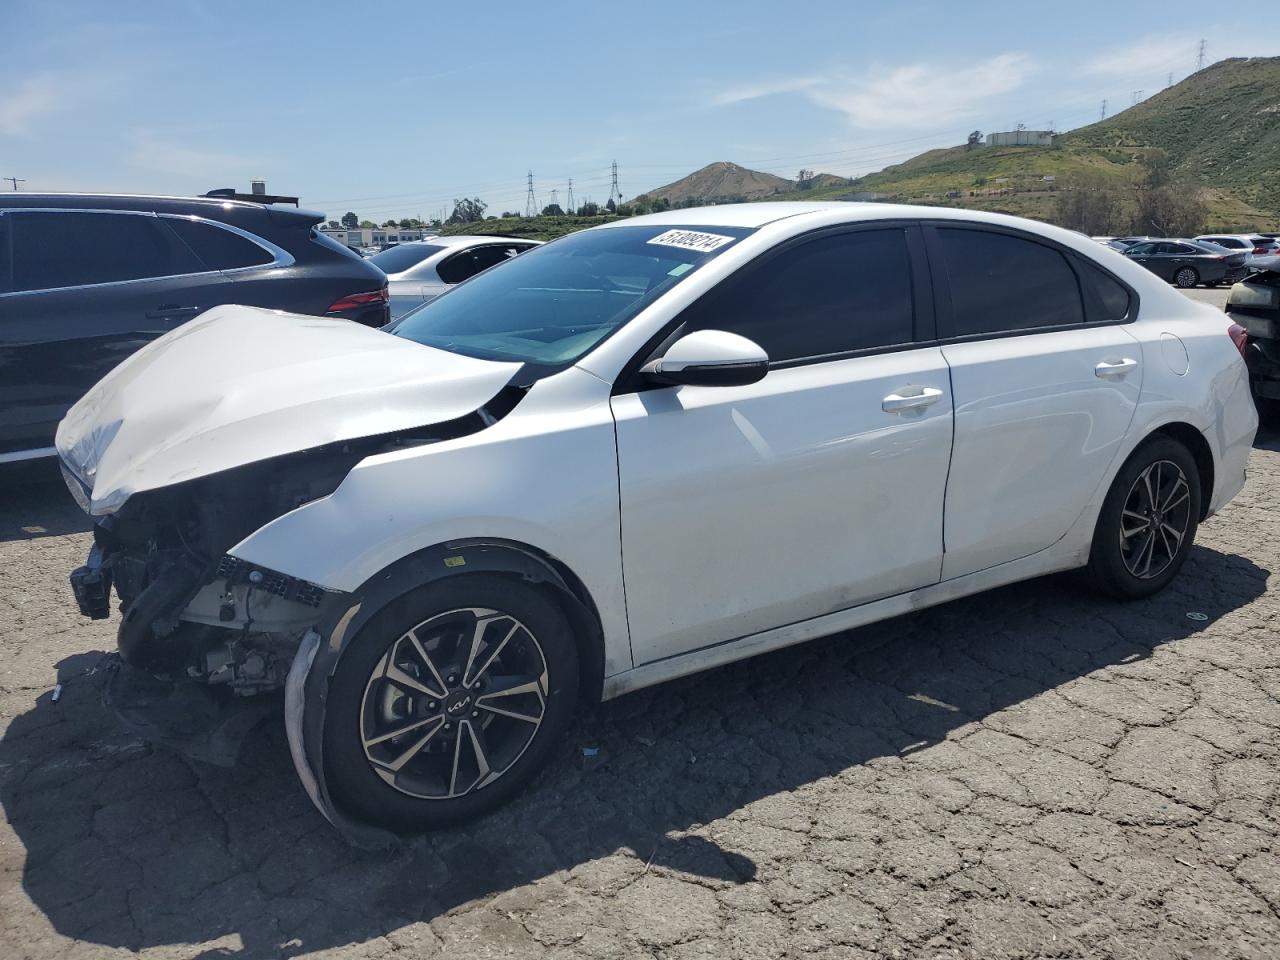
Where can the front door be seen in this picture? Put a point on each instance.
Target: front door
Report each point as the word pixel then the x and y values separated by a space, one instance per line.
pixel 819 488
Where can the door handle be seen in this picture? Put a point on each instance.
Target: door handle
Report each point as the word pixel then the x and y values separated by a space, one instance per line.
pixel 898 402
pixel 1114 368
pixel 167 310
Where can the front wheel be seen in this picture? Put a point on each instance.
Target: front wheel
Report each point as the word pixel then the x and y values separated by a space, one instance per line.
pixel 1148 521
pixel 1186 278
pixel 448 702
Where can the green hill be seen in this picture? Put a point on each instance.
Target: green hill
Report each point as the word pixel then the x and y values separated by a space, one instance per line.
pixel 1220 126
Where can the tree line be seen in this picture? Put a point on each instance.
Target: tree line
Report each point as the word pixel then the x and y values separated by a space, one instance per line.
pixel 1164 204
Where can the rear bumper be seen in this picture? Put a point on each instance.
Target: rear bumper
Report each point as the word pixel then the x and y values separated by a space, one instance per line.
pixel 374 315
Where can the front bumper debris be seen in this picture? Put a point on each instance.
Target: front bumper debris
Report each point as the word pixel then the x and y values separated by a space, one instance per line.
pixel 91 585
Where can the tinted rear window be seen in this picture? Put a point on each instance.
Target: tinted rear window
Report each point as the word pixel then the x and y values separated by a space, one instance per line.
pixel 219 248
pixel 406 255
pixel 1003 283
pixel 52 250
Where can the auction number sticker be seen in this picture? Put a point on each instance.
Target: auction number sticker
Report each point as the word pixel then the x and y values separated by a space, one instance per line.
pixel 692 240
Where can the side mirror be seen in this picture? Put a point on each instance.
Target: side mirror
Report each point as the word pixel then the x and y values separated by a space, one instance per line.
pixel 709 358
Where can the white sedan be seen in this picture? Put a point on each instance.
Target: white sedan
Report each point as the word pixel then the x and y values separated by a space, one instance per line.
pixel 634 453
pixel 421 270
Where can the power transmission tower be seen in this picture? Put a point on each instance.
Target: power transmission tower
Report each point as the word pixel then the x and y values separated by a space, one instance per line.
pixel 15 181
pixel 555 197
pixel 570 201
pixel 615 194
pixel 1102 114
pixel 530 204
pixel 1170 81
pixel 1200 55
pixel 1137 95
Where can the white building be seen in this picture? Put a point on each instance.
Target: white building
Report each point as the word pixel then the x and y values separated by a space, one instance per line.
pixel 376 236
pixel 1021 138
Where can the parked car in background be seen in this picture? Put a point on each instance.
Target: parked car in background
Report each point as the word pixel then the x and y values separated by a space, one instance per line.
pixel 643 450
pixel 1254 303
pixel 421 270
pixel 1249 244
pixel 87 280
pixel 1188 263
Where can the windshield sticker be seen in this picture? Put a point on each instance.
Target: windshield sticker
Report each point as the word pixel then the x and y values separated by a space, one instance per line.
pixel 692 240
pixel 680 269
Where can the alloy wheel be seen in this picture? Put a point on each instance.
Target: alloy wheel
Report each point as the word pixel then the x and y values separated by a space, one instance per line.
pixel 1186 277
pixel 1154 519
pixel 453 703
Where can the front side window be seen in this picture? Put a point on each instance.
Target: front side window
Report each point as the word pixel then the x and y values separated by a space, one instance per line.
pixel 1001 283
pixel 56 249
pixel 558 301
pixel 219 248
pixel 831 294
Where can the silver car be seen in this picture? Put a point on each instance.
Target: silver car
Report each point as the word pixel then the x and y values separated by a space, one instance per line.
pixel 423 269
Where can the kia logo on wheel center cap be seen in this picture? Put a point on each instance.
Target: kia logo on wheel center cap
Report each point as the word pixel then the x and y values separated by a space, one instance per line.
pixel 458 705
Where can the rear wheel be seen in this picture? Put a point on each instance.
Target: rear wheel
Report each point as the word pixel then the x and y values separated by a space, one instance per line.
pixel 448 702
pixel 1148 521
pixel 1186 277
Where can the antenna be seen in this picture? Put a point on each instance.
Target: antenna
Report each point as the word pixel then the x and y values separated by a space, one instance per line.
pixel 570 200
pixel 1200 55
pixel 615 194
pixel 530 204
pixel 1102 114
pixel 15 181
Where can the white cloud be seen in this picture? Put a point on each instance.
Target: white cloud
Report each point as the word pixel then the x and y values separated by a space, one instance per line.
pixel 164 156
pixel 922 96
pixel 918 96
pixel 35 98
pixel 1150 54
pixel 755 91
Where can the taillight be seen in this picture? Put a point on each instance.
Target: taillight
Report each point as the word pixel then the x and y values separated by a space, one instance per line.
pixel 357 300
pixel 1239 336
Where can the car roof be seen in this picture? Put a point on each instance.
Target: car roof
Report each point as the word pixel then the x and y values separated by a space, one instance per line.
pixel 218 208
pixel 754 215
pixel 466 241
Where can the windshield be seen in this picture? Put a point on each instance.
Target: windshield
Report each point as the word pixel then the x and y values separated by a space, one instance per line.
pixel 400 258
pixel 556 302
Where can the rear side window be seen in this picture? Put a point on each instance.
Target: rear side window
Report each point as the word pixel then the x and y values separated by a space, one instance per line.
pixel 1002 283
pixel 457 268
pixel 1108 300
pixel 486 257
pixel 52 250
pixel 829 295
pixel 219 249
pixel 400 258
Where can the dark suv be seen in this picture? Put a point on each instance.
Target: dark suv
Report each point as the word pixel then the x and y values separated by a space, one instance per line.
pixel 87 280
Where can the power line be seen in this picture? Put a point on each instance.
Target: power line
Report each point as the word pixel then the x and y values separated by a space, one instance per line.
pixel 615 194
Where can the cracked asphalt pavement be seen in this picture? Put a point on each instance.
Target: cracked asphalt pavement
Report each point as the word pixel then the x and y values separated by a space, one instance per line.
pixel 1033 772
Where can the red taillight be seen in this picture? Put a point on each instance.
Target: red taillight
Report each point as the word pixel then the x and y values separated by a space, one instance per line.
pixel 1239 336
pixel 357 300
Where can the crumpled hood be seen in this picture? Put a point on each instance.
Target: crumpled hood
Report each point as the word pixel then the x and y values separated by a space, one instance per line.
pixel 241 384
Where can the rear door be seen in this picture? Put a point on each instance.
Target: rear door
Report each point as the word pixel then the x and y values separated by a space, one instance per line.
pixel 820 487
pixel 1045 378
pixel 85 289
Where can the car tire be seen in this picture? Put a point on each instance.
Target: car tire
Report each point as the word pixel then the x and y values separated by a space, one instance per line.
pixel 1186 278
pixel 495 743
pixel 1140 545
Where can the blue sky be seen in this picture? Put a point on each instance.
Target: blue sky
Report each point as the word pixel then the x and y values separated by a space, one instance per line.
pixel 392 109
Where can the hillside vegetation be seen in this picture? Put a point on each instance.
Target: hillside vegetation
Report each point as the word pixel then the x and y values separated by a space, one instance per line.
pixel 1218 128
